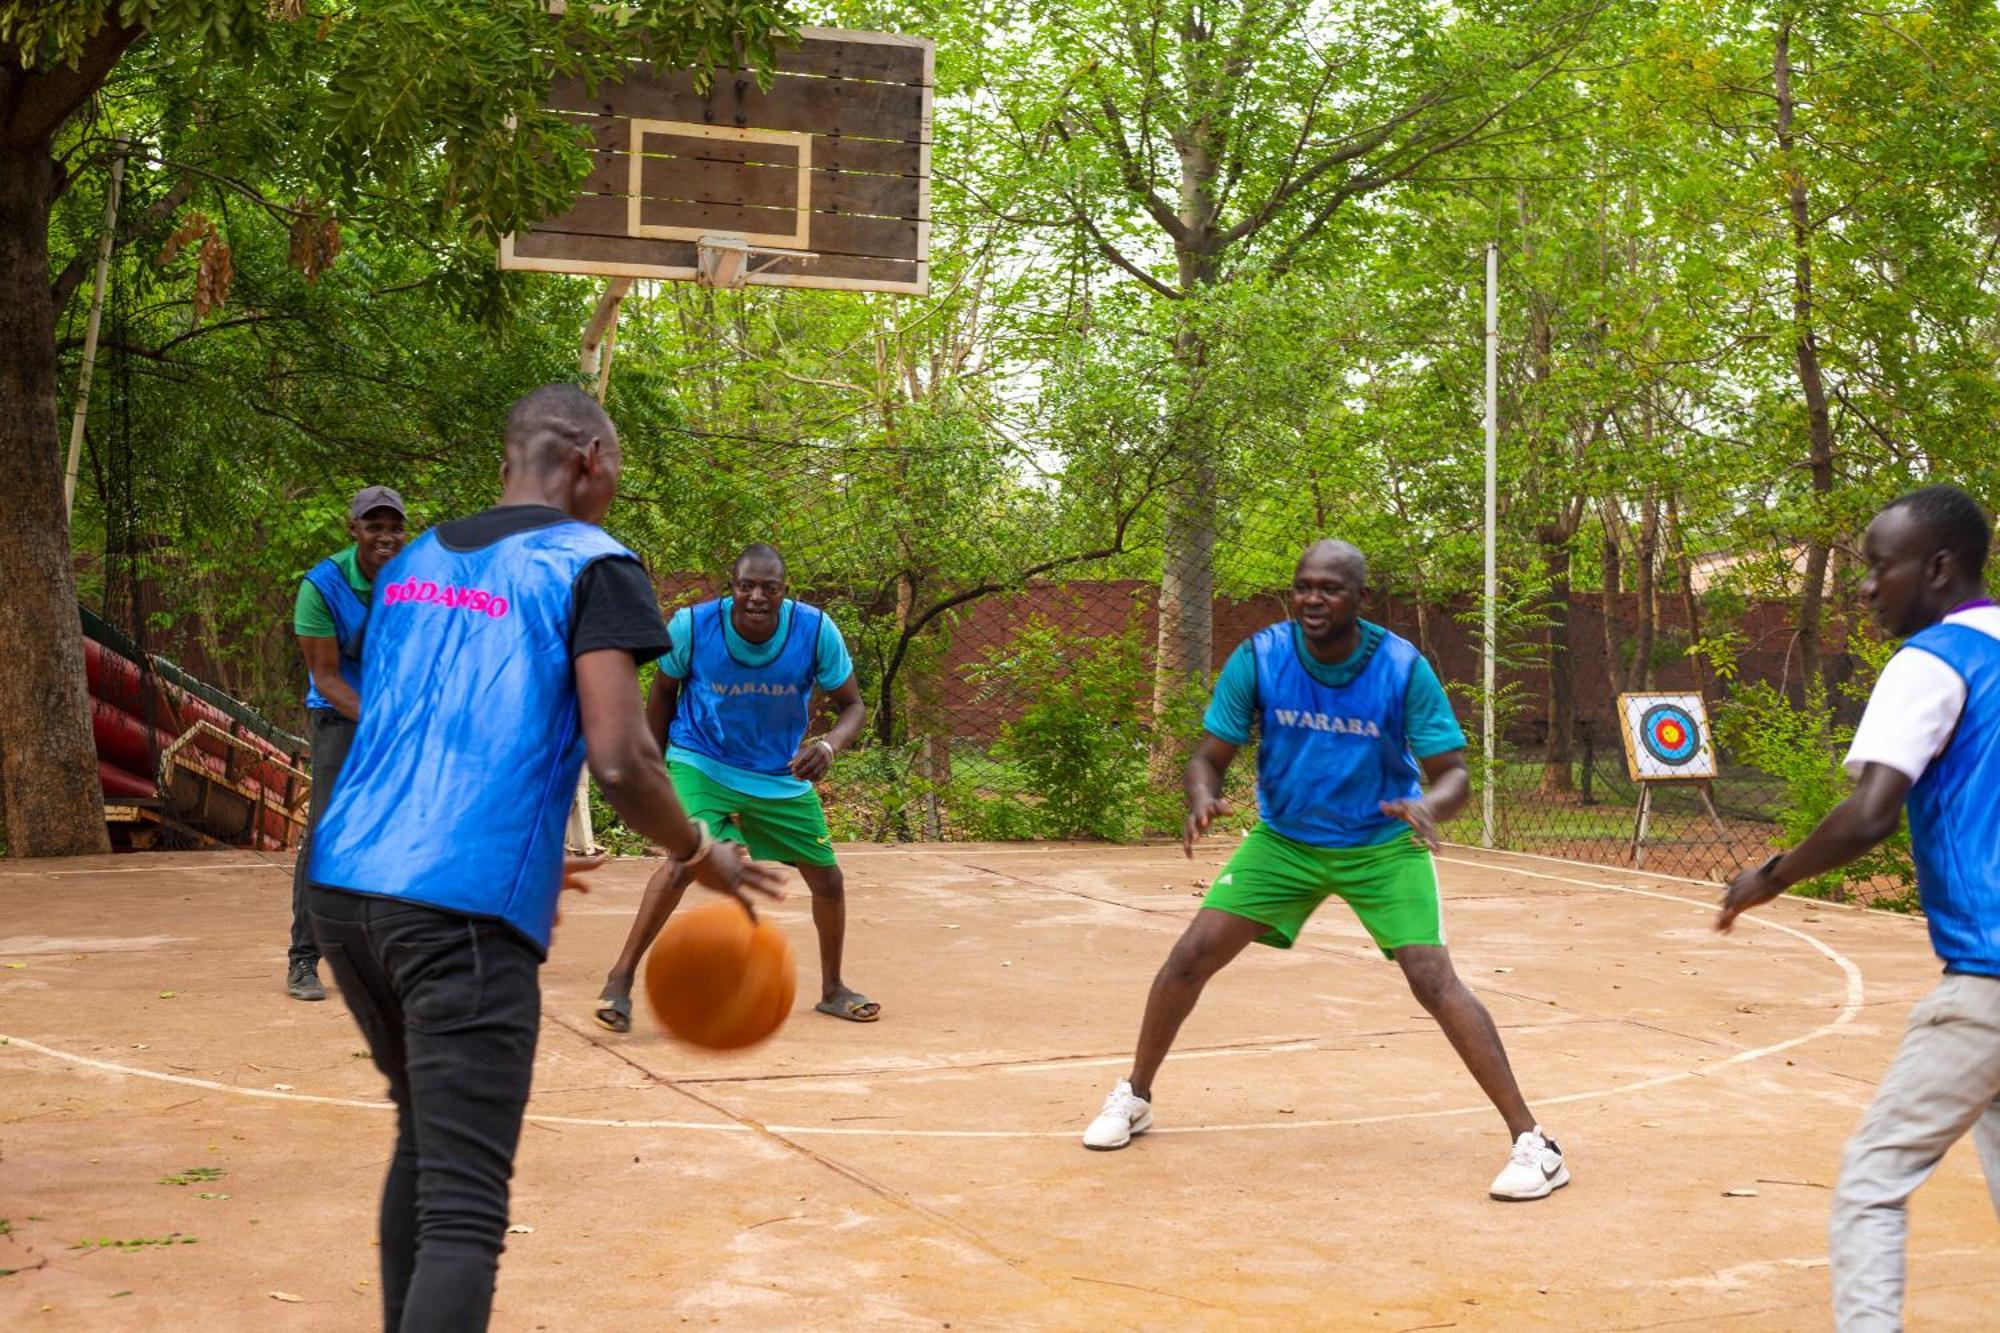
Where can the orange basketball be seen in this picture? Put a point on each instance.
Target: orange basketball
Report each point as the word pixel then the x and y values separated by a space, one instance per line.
pixel 716 980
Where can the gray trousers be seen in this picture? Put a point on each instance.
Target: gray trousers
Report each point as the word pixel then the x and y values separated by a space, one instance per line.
pixel 1944 1081
pixel 332 734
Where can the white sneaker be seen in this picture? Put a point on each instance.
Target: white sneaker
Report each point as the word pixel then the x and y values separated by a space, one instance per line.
pixel 1534 1170
pixel 1123 1116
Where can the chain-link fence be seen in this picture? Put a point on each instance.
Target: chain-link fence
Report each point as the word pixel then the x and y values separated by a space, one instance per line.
pixel 1022 681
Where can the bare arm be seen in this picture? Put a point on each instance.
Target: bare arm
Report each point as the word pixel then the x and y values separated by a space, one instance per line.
pixel 626 763
pixel 816 753
pixel 663 700
pixel 1203 787
pixel 1868 815
pixel 1447 785
pixel 322 656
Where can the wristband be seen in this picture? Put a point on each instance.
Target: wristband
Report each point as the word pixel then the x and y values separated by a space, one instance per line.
pixel 704 844
pixel 821 743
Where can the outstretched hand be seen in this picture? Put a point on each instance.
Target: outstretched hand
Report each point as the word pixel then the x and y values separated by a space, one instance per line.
pixel 1750 888
pixel 573 881
pixel 729 871
pixel 1421 819
pixel 1202 811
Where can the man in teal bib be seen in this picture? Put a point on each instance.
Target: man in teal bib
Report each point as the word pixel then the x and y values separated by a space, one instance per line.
pixel 1351 723
pixel 330 619
pixel 731 705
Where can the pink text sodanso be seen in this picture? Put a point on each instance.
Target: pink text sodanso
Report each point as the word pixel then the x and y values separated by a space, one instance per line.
pixel 471 599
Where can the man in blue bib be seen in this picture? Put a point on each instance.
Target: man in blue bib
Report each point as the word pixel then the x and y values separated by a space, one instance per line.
pixel 731 705
pixel 1929 742
pixel 1351 724
pixel 502 649
pixel 330 619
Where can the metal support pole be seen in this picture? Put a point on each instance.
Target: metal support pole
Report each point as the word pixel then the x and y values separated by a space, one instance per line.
pixel 1492 592
pixel 600 337
pixel 90 335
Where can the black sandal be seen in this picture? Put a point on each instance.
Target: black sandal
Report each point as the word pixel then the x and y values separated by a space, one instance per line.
pixel 614 1015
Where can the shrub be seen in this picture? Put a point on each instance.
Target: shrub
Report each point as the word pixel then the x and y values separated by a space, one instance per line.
pixel 1801 747
pixel 1081 738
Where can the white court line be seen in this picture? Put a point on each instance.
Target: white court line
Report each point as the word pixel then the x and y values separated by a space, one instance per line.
pixel 1848 1010
pixel 148 870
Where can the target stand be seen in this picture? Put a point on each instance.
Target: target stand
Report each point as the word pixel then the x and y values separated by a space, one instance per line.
pixel 1667 740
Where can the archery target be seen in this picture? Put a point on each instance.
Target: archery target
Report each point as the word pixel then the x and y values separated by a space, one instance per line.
pixel 1666 737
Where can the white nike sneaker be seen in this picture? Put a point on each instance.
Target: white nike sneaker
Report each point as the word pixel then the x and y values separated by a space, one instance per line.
pixel 1534 1170
pixel 1123 1116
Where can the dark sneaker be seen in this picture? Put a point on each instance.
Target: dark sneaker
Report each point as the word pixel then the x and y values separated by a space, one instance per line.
pixel 302 982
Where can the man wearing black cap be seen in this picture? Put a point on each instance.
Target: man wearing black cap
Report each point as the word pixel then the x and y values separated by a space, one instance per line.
pixel 329 618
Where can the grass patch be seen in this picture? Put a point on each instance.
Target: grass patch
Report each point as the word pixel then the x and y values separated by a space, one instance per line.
pixel 136 1243
pixel 193 1175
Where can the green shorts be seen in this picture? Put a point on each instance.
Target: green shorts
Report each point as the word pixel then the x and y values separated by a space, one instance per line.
pixel 1392 887
pixel 791 829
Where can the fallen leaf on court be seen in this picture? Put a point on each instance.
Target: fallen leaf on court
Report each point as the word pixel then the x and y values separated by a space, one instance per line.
pixel 168 994
pixel 282 1087
pixel 519 1230
pixel 1649 1124
pixel 1739 1194
pixel 141 1046
pixel 16 966
pixel 951 927
pixel 207 1195
pixel 1503 969
pixel 1005 964
pixel 288 1298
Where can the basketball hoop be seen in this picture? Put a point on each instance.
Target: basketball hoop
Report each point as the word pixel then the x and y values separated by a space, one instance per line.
pixel 724 261
pixel 815 174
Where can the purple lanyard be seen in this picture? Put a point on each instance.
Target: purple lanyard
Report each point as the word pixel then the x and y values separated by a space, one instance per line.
pixel 1972 605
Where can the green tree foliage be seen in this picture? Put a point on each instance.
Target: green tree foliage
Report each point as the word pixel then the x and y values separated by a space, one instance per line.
pixel 1207 283
pixel 417 119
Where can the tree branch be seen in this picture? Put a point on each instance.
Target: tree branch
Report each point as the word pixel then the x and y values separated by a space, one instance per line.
pixel 40 100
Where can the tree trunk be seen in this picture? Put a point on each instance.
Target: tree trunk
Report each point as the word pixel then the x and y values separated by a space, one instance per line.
pixel 48 772
pixel 1185 644
pixel 1185 648
pixel 1704 669
pixel 1612 521
pixel 1558 774
pixel 1645 592
pixel 1805 354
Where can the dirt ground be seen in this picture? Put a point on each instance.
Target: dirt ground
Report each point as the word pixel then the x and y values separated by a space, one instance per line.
pixel 1320 1159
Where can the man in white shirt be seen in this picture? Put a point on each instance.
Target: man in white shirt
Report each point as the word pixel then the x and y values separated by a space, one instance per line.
pixel 1930 739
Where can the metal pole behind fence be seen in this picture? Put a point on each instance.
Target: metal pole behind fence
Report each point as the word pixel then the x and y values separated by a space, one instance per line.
pixel 1492 591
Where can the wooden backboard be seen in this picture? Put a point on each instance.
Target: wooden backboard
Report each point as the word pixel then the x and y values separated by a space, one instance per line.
pixel 833 162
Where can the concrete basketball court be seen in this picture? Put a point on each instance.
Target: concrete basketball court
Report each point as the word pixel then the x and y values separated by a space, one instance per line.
pixel 1321 1159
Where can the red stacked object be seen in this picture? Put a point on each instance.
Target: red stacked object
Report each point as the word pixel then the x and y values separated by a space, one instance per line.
pixel 122 697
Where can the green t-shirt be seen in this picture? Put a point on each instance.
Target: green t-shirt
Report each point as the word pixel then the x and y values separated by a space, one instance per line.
pixel 1428 722
pixel 311 617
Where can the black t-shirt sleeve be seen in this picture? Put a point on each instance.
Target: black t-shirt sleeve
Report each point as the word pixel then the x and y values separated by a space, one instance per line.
pixel 615 607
